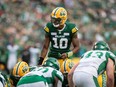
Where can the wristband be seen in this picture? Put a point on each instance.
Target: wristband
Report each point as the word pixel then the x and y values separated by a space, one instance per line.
pixel 40 60
pixel 69 54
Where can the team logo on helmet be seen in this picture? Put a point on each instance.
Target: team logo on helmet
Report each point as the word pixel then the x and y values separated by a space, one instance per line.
pixel 71 64
pixel 68 64
pixel 20 69
pixel 25 69
pixel 62 13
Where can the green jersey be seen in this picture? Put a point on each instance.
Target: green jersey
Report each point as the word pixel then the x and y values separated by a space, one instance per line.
pixel 95 62
pixel 60 39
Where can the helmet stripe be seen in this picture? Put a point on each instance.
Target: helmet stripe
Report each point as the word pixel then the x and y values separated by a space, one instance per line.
pixel 65 65
pixel 18 67
pixel 56 11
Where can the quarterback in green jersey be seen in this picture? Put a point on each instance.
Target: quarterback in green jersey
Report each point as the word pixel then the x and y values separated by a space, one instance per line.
pixel 59 35
pixel 94 63
pixel 47 75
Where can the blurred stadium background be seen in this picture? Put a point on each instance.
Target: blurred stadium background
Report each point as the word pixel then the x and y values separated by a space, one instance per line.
pixel 22 23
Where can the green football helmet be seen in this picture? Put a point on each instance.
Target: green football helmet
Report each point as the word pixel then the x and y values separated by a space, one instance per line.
pixel 101 45
pixel 51 62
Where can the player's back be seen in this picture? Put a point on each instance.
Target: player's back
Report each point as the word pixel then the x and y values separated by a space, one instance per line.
pixel 48 73
pixel 94 62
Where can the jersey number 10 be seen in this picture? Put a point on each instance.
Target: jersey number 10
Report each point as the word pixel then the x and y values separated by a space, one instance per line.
pixel 62 43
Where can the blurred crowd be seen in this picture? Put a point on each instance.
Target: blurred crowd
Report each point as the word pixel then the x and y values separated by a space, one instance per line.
pixel 22 23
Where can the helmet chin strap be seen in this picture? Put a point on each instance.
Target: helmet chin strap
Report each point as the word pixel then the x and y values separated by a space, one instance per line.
pixel 56 25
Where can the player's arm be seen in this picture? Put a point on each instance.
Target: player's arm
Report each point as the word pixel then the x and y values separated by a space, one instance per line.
pixel 45 46
pixel 58 78
pixel 45 49
pixel 70 75
pixel 110 73
pixel 75 42
pixel 58 83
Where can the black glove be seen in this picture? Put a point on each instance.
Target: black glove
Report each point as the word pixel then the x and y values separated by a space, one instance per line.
pixel 40 60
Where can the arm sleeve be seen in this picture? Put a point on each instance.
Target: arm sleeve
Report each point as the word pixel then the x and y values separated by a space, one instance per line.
pixel 46 29
pixel 74 30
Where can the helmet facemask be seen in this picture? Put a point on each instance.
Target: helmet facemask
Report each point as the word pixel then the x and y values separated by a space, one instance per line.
pixel 56 21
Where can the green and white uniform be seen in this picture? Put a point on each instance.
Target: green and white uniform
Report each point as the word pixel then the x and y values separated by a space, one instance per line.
pixel 92 64
pixel 3 81
pixel 41 76
pixel 60 39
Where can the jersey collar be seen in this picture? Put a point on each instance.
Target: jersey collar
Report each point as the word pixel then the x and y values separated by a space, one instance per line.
pixel 62 28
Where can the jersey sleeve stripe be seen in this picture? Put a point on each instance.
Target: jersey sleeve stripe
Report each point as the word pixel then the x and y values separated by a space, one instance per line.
pixel 74 30
pixel 46 29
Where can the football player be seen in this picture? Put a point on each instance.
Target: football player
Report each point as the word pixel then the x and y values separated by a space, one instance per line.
pixel 59 35
pixel 19 70
pixel 69 63
pixel 48 75
pixel 94 63
pixel 66 67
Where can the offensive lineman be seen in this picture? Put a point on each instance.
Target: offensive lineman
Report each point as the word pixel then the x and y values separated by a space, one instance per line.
pixel 93 64
pixel 48 75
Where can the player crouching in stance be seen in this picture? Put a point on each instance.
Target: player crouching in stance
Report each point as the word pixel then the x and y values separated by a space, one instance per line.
pixel 93 64
pixel 48 75
pixel 19 70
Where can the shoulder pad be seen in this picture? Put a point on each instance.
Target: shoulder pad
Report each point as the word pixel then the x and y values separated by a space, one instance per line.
pixel 74 30
pixel 47 27
pixel 73 27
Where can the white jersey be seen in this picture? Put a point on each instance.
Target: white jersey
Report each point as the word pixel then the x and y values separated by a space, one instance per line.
pixel 34 56
pixel 48 73
pixel 2 80
pixel 94 62
pixel 12 57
